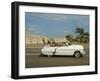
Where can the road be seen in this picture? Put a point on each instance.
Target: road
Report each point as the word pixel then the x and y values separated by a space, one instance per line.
pixel 33 59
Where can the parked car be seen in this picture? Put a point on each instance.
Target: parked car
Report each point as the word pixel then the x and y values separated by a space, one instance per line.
pixel 63 50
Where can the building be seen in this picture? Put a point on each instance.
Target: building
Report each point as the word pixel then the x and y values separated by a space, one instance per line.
pixel 31 38
pixel 36 39
pixel 59 39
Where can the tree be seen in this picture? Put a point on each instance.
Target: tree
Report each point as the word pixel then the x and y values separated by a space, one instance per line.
pixel 80 31
pixel 68 37
pixel 86 37
pixel 48 42
pixel 43 40
pixel 86 34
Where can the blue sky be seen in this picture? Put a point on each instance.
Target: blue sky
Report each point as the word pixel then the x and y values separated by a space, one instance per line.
pixel 55 24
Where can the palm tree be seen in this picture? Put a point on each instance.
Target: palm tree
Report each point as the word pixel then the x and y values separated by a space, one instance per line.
pixel 86 34
pixel 86 37
pixel 80 31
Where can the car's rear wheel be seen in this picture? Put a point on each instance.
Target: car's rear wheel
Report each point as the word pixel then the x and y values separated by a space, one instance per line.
pixel 49 55
pixel 41 54
pixel 77 54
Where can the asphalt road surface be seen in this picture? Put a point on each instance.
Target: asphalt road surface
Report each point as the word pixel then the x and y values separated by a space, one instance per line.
pixel 33 59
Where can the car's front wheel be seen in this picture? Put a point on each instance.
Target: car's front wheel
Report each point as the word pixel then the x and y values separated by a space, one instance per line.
pixel 77 54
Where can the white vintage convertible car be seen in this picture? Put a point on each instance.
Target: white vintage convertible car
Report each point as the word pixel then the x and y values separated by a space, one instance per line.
pixel 63 50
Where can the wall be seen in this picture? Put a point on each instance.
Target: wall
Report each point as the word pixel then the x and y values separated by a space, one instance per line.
pixel 5 40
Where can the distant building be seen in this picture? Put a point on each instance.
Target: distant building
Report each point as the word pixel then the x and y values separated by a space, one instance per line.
pixel 36 39
pixel 59 39
pixel 40 39
pixel 31 38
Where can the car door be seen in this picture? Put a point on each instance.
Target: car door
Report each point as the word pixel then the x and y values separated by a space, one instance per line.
pixel 64 50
